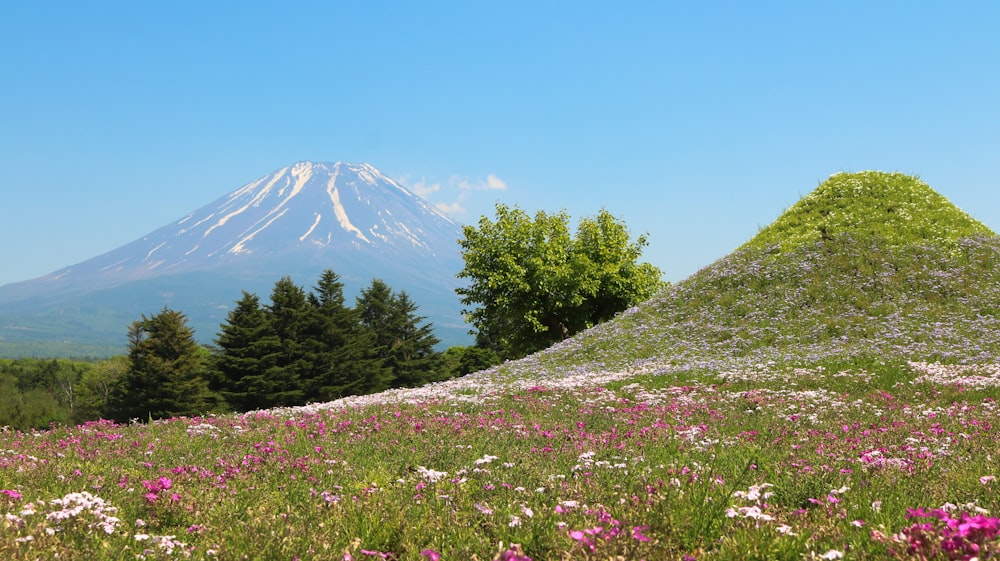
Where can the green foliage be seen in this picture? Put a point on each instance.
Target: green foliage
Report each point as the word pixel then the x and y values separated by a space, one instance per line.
pixel 532 283
pixel 895 208
pixel 95 387
pixel 400 339
pixel 35 393
pixel 166 372
pixel 248 357
pixel 342 353
pixel 306 347
pixel 459 361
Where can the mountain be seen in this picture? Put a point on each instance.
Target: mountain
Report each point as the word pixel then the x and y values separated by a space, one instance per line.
pixel 297 221
pixel 870 267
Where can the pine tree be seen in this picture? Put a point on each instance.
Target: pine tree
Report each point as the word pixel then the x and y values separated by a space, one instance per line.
pixel 248 353
pixel 399 338
pixel 338 350
pixel 283 382
pixel 165 371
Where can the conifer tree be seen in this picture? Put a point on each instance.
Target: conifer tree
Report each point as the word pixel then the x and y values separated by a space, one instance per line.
pixel 165 371
pixel 399 338
pixel 287 314
pixel 248 353
pixel 337 349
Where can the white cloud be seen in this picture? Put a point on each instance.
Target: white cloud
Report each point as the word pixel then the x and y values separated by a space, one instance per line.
pixel 495 183
pixel 453 209
pixel 422 189
pixel 458 189
pixel 491 183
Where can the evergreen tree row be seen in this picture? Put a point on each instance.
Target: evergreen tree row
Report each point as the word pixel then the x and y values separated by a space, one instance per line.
pixel 297 348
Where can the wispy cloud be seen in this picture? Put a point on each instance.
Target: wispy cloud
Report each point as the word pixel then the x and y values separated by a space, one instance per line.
pixel 422 189
pixel 454 208
pixel 451 197
pixel 495 183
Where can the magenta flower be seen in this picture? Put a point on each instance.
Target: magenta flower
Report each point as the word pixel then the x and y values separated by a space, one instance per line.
pixel 431 554
pixel 513 554
pixel 10 493
pixel 637 534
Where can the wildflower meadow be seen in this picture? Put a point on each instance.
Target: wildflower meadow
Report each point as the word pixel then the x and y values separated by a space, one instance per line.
pixel 899 461
pixel 836 399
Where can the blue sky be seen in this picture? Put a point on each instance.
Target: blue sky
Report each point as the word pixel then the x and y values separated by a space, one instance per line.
pixel 695 122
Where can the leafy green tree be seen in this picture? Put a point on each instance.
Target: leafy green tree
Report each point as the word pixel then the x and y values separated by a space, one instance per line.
pixel 459 361
pixel 612 263
pixel 532 283
pixel 165 371
pixel 400 338
pixel 248 354
pixel 95 387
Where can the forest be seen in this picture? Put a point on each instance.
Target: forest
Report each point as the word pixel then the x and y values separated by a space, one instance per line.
pixel 298 347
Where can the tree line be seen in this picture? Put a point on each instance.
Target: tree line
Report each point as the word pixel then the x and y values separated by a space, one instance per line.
pixel 298 347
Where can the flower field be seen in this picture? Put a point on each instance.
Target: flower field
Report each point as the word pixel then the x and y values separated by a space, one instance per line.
pixel 894 461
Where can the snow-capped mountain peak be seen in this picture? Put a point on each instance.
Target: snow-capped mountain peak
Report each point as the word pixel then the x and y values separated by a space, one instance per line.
pixel 297 221
pixel 301 208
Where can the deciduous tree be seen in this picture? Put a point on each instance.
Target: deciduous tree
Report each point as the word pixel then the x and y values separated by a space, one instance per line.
pixel 532 283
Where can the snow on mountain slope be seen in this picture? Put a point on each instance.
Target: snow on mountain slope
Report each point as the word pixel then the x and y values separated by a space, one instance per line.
pixel 303 208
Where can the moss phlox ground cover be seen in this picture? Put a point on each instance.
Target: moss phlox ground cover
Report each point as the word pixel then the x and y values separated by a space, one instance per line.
pixel 784 462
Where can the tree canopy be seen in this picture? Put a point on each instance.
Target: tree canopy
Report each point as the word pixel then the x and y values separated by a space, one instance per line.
pixel 166 375
pixel 533 283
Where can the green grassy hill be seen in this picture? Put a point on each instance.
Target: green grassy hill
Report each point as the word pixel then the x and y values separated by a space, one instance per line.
pixel 869 266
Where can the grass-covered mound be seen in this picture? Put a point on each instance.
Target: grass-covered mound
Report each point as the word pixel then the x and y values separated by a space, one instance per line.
pixel 869 265
pixel 894 208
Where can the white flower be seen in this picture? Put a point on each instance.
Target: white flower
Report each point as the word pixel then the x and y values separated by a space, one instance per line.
pixel 832 554
pixel 785 529
pixel 485 460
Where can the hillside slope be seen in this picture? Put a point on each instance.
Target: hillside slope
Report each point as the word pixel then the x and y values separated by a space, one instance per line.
pixel 869 266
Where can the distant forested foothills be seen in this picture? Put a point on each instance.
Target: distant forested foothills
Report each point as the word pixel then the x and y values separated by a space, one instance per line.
pixel 297 348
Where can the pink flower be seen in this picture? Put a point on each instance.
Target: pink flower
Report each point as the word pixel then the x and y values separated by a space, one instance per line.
pixel 637 534
pixel 10 493
pixel 987 479
pixel 431 554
